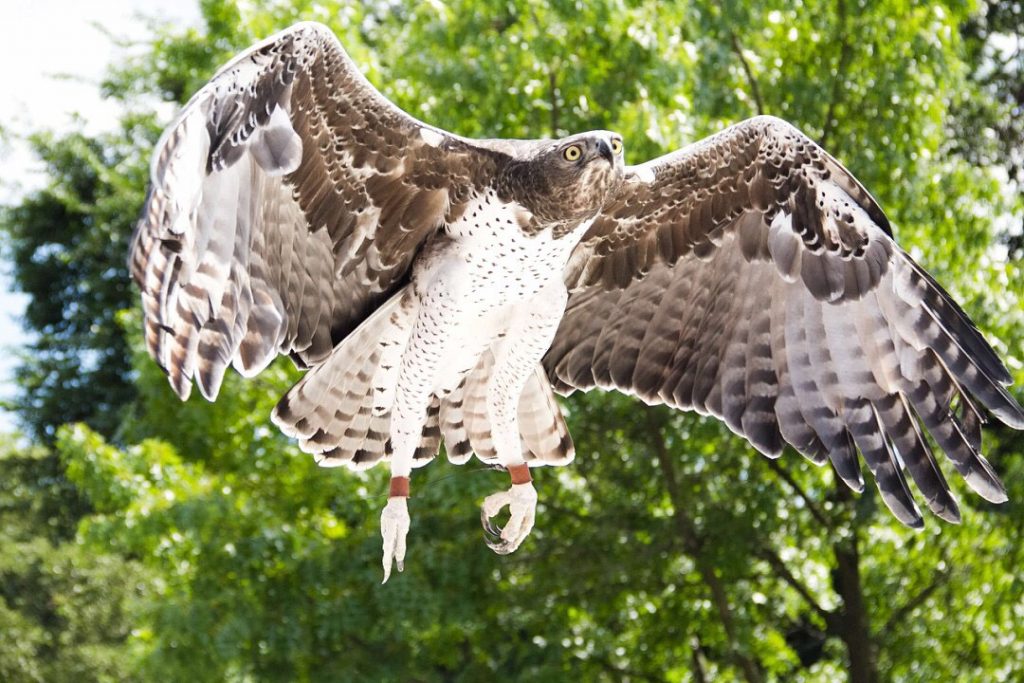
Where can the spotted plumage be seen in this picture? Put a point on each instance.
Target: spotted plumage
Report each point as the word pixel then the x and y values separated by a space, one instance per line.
pixel 441 289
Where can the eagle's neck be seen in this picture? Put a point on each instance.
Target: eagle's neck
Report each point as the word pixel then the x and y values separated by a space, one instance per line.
pixel 508 241
pixel 491 220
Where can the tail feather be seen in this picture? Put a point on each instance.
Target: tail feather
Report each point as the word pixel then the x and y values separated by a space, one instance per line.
pixel 453 426
pixel 340 411
pixel 335 410
pixel 474 409
pixel 467 429
pixel 430 438
pixel 545 434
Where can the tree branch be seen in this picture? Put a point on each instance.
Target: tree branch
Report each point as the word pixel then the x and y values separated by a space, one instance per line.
pixel 854 623
pixel 845 52
pixel 692 544
pixel 755 90
pixel 830 618
pixel 699 674
pixel 555 114
pixel 812 507
pixel 553 69
pixel 913 603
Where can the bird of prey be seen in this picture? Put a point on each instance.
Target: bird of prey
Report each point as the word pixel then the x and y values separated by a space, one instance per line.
pixel 437 287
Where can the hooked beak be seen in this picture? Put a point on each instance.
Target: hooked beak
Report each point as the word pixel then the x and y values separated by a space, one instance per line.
pixel 605 150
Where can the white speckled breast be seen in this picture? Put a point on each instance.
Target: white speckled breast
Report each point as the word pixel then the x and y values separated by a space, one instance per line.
pixel 500 274
pixel 504 261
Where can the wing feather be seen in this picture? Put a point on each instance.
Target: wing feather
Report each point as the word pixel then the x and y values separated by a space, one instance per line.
pixel 750 276
pixel 287 203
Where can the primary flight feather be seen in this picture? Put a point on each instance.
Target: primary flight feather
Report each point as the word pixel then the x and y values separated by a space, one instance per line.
pixel 438 287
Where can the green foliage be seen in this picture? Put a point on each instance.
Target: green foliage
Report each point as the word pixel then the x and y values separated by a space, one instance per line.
pixel 992 124
pixel 988 128
pixel 172 541
pixel 65 244
pixel 65 605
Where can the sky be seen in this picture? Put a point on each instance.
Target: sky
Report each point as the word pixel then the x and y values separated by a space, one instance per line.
pixel 49 79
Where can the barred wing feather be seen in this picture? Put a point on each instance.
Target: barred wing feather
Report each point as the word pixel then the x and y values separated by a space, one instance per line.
pixel 287 203
pixel 752 278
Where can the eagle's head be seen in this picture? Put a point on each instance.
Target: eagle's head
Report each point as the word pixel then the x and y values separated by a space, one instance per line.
pixel 568 180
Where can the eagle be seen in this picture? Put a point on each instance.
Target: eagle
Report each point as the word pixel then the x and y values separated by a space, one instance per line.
pixel 438 287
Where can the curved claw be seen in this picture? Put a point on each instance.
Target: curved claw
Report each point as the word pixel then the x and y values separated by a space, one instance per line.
pixel 502 548
pixel 491 507
pixel 489 528
pixel 521 500
pixel 493 540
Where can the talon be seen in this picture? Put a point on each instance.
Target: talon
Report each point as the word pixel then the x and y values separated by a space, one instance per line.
pixel 491 539
pixel 492 529
pixel 521 500
pixel 394 525
pixel 485 521
pixel 503 548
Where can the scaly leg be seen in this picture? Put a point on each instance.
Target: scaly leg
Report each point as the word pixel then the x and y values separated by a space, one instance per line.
pixel 394 525
pixel 521 500
pixel 438 313
pixel 528 339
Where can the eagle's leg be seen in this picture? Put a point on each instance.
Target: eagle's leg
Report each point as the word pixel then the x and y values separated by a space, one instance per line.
pixel 394 525
pixel 439 311
pixel 529 336
pixel 407 416
pixel 521 500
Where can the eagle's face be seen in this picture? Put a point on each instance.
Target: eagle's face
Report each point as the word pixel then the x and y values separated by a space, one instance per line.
pixel 568 180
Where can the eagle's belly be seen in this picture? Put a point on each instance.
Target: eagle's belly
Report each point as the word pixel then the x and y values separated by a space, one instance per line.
pixel 477 284
pixel 509 325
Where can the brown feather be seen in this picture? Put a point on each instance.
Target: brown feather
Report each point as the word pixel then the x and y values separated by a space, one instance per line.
pixel 777 301
pixel 284 171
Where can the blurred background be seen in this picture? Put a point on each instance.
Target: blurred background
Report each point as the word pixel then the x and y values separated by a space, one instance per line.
pixel 146 539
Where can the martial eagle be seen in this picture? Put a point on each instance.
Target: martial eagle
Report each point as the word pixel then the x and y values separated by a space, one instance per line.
pixel 440 287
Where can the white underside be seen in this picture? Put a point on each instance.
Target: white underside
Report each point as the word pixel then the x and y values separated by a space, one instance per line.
pixel 503 278
pixel 488 287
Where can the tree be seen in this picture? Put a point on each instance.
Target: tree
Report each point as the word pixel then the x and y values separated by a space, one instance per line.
pixel 65 245
pixel 65 606
pixel 669 550
pixel 988 123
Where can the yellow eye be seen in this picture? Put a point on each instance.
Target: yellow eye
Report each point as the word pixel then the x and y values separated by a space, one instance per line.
pixel 572 152
pixel 616 146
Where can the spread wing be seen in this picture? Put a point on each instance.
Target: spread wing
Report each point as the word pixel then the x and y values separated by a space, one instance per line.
pixel 287 202
pixel 751 277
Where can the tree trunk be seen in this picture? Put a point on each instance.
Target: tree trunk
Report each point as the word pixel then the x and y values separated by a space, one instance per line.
pixel 692 546
pixel 854 627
